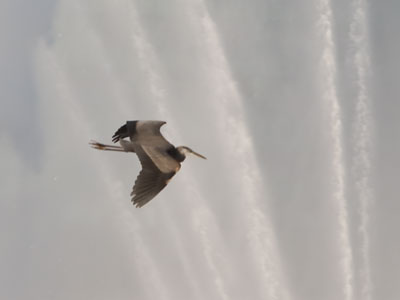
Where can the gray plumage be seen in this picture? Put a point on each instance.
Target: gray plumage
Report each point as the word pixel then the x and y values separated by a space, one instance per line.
pixel 160 159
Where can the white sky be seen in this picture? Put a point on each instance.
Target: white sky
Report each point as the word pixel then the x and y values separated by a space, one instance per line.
pixel 295 105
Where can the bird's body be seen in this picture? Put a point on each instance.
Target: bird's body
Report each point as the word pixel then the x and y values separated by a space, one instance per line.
pixel 160 159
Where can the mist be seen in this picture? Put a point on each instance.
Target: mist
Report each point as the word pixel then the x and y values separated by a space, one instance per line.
pixel 293 104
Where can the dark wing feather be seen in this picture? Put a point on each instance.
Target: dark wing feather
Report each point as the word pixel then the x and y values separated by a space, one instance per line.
pixel 150 181
pixel 127 130
pixel 121 133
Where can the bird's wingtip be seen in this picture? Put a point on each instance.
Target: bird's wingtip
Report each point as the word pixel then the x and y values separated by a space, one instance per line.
pixel 121 133
pixel 137 204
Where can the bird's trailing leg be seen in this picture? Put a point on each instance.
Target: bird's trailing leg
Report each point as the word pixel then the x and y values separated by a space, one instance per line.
pixel 100 146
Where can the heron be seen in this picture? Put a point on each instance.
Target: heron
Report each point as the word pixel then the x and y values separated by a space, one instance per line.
pixel 160 160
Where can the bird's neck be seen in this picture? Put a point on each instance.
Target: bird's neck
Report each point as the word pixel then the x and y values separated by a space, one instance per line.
pixel 176 154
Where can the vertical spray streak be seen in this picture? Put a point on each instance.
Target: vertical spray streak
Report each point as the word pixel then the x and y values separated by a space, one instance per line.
pixel 231 124
pixel 330 96
pixel 147 60
pixel 151 67
pixel 152 280
pixel 361 132
pixel 208 250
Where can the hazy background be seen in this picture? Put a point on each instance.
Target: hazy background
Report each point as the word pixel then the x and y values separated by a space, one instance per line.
pixel 295 104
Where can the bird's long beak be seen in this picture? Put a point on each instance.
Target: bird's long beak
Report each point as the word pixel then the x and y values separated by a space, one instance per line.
pixel 199 155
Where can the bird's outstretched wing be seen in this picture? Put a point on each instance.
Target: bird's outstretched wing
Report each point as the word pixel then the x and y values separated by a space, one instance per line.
pixel 143 131
pixel 150 181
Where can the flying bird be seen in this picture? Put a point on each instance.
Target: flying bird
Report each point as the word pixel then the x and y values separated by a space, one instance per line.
pixel 160 159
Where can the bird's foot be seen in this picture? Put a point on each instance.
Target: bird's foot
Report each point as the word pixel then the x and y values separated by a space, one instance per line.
pixel 97 145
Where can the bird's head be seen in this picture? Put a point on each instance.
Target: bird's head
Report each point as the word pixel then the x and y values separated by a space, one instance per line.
pixel 184 151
